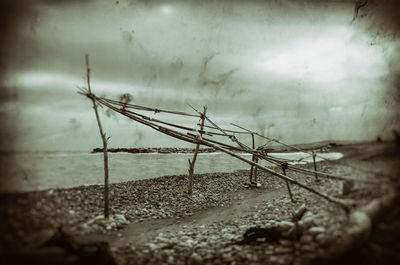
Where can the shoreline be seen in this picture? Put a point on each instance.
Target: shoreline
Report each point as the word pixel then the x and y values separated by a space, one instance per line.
pixel 168 164
pixel 321 146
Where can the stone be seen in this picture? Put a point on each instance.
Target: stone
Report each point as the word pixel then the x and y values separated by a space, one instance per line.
pixel 297 261
pixel 309 256
pixel 321 252
pixel 269 252
pixel 229 236
pixel 227 257
pixel 285 259
pixel 171 260
pixel 285 242
pixel 189 242
pixel 307 248
pixel 321 239
pixel 152 246
pixel 195 259
pixel 286 224
pixel 307 221
pixel 316 230
pixel 305 239
pixel 361 224
pixel 283 250
pixel 308 214
pixel 121 219
pixel 273 259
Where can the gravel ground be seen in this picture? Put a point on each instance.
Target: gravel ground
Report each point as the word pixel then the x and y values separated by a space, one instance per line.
pixel 29 218
pixel 322 226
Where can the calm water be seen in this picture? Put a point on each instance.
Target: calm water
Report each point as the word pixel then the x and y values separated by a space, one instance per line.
pixel 38 171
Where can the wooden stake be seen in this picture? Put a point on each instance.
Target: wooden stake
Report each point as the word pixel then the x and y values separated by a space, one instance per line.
pixel 284 166
pixel 255 171
pixel 103 138
pixel 315 165
pixel 191 163
pixel 252 159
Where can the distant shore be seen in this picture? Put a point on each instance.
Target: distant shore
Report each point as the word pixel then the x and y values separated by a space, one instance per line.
pixel 322 146
pixel 160 150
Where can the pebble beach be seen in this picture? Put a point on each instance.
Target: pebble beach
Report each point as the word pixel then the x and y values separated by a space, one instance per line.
pixel 200 229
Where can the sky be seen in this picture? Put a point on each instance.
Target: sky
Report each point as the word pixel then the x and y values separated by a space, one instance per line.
pixel 298 71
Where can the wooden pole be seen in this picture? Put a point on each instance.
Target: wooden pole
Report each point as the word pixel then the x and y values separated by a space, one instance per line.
pixel 252 159
pixel 255 171
pixel 191 163
pixel 103 138
pixel 315 165
pixel 284 166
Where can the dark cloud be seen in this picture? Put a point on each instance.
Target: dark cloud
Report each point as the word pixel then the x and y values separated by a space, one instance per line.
pixel 249 61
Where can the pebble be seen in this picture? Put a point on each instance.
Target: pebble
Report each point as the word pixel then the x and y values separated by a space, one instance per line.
pixel 283 250
pixel 210 240
pixel 321 252
pixel 316 230
pixel 286 225
pixel 171 260
pixel 285 242
pixel 307 222
pixel 152 246
pixel 273 259
pixel 321 239
pixel 269 252
pixel 305 239
pixel 307 248
pixel 195 259
pixel 229 236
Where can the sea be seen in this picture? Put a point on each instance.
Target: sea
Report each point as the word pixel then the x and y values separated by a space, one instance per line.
pixel 34 171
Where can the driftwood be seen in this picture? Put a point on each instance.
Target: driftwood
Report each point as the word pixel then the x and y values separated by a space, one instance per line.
pixel 284 166
pixel 275 161
pixel 188 137
pixel 103 138
pixel 276 233
pixel 193 139
pixel 299 213
pixel 315 165
pixel 191 163
pixel 258 235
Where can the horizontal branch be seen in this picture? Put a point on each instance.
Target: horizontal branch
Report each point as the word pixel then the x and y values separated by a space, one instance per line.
pixel 155 110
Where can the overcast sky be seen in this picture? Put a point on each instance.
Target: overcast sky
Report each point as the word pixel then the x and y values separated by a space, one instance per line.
pixel 299 71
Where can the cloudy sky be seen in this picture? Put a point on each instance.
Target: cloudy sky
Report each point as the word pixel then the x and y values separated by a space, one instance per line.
pixel 299 71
